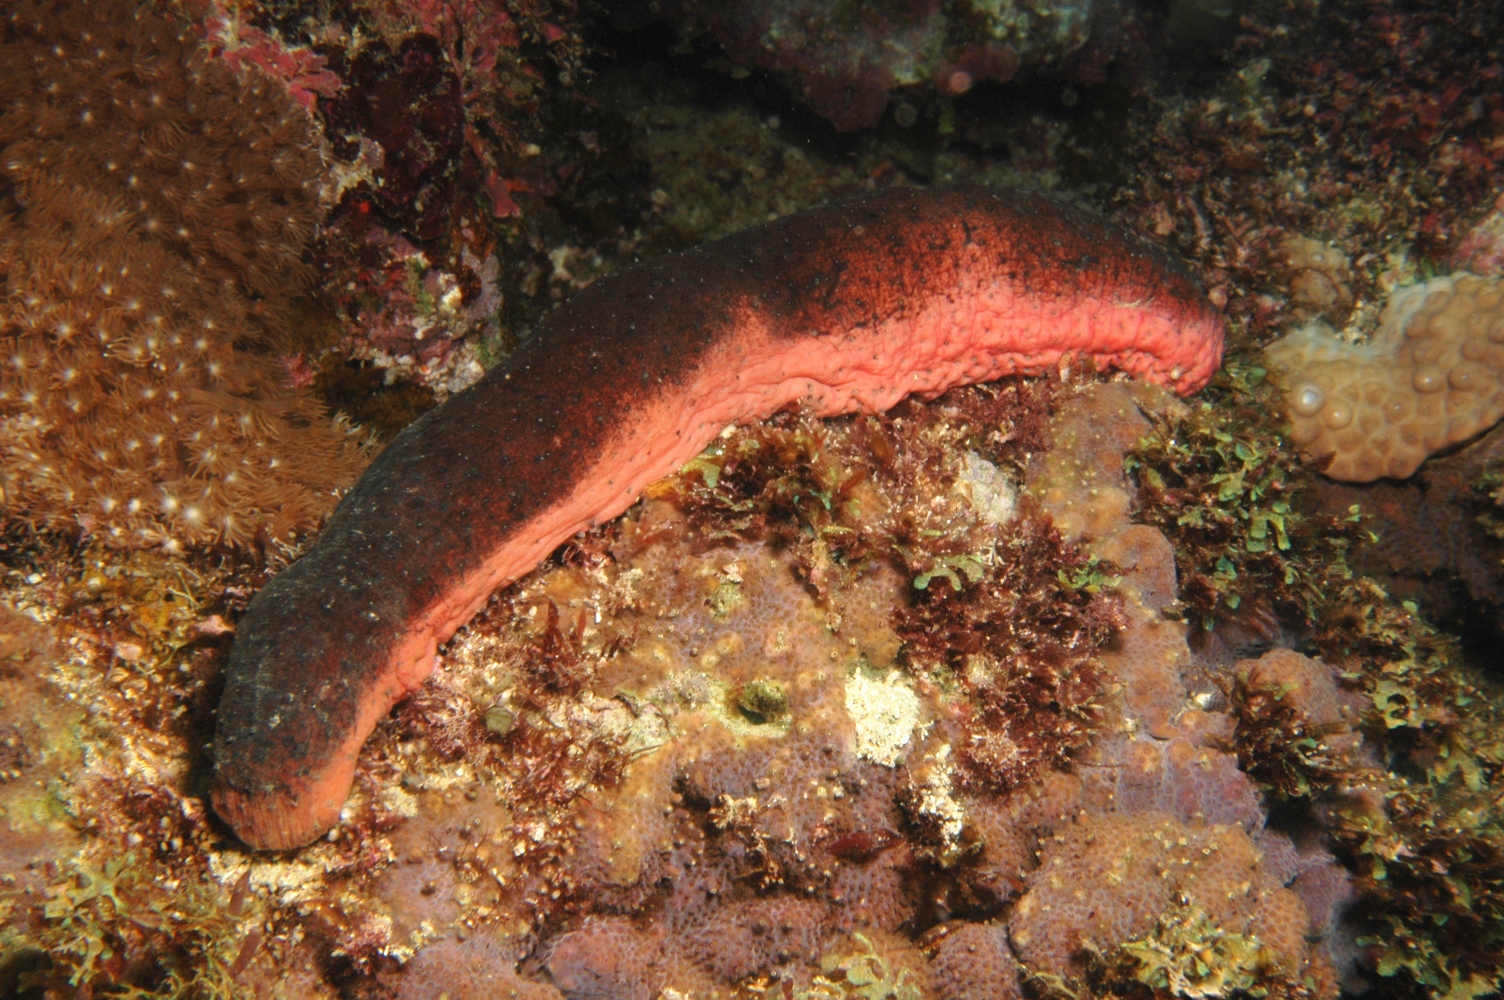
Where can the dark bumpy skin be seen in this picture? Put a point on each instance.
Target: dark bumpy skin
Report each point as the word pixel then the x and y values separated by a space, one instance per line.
pixel 848 307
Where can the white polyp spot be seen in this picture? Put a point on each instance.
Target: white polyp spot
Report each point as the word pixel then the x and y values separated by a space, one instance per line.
pixel 1308 400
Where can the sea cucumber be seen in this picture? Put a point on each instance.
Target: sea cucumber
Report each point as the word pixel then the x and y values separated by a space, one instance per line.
pixel 849 307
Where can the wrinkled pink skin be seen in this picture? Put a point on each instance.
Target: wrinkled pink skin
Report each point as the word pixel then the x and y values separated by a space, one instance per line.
pixel 846 308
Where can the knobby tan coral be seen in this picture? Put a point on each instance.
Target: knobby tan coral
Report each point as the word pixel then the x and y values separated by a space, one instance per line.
pixel 154 208
pixel 1319 278
pixel 1431 376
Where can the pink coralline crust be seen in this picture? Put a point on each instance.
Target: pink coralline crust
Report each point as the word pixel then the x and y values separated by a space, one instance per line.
pixel 301 69
pixel 475 30
pixel 850 307
pixel 1481 249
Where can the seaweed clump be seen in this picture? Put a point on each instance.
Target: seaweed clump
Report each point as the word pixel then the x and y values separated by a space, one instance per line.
pixel 1021 639
pixel 1217 477
pixel 109 660
pixel 1187 955
pixel 1426 835
pixel 1283 741
pixel 107 923
pixel 154 207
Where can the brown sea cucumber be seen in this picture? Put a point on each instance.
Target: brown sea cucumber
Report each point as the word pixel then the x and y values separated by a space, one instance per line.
pixel 849 307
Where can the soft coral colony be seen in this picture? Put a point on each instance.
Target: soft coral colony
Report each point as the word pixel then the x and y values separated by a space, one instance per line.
pixel 154 207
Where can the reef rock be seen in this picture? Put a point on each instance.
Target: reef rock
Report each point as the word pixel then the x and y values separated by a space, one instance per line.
pixel 796 795
pixel 846 57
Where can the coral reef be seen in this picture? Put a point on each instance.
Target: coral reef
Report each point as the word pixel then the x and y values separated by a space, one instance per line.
pixel 721 747
pixel 436 184
pixel 1428 378
pixel 303 71
pixel 33 831
pixel 1419 705
pixel 444 90
pixel 1401 831
pixel 119 896
pixel 746 847
pixel 619 781
pixel 155 209
pixel 1481 249
pixel 1373 131
pixel 1393 826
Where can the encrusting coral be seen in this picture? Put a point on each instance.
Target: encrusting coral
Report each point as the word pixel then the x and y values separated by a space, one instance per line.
pixel 1108 879
pixel 154 206
pixel 1430 377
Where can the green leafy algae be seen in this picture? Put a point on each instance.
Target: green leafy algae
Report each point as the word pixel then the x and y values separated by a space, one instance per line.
pixel 1187 955
pixel 865 975
pixel 1424 835
pixel 1190 955
pixel 101 917
pixel 1217 477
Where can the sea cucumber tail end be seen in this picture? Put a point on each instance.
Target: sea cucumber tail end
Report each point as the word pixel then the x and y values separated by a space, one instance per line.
pixel 291 816
pixel 282 772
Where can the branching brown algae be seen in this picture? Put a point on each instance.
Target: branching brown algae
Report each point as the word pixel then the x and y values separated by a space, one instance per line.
pixel 1057 687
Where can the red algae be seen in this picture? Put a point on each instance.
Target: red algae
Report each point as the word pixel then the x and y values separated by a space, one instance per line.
pixel 850 307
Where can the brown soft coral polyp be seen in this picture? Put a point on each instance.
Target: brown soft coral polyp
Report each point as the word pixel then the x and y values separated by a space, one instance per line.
pixel 154 207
